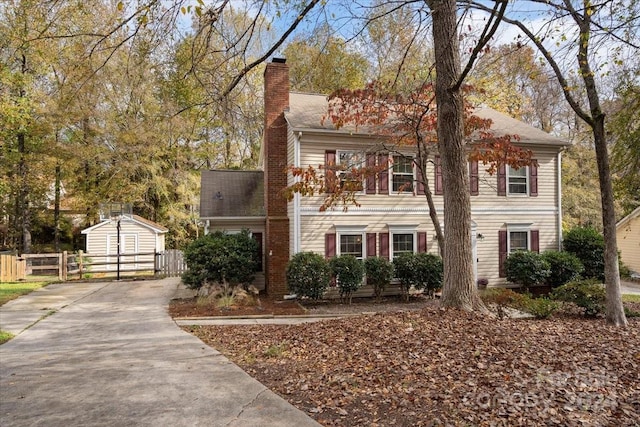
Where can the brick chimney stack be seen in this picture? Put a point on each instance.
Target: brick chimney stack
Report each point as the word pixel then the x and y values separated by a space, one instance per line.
pixel 276 101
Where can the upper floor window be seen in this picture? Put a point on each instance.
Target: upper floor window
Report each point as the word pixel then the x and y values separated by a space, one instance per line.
pixel 517 180
pixel 348 163
pixel 402 174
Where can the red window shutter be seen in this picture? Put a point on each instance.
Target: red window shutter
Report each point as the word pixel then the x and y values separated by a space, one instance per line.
pixel 473 178
pixel 533 180
pixel 371 178
pixel 502 180
pixel 419 179
pixel 371 244
pixel 438 176
pixel 535 240
pixel 330 174
pixel 422 241
pixel 383 175
pixel 329 245
pixel 502 251
pixel 384 245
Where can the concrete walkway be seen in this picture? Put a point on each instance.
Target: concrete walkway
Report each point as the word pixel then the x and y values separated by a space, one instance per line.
pixel 108 354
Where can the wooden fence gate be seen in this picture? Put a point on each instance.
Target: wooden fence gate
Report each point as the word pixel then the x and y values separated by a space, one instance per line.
pixel 170 263
pixel 12 268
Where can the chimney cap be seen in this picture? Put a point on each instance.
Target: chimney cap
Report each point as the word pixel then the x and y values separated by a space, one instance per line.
pixel 279 60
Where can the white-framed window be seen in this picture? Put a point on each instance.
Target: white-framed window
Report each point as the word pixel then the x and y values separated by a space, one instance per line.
pixel 402 243
pixel 402 174
pixel 351 241
pixel 402 239
pixel 346 162
pixel 518 237
pixel 517 181
pixel 518 241
pixel 352 244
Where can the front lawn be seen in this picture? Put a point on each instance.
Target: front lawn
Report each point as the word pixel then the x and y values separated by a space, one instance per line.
pixel 631 298
pixel 444 367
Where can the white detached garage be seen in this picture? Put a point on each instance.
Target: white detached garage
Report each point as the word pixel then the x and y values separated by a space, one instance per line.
pixel 140 239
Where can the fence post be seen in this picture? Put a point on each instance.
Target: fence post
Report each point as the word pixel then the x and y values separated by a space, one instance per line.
pixel 80 263
pixel 65 264
pixel 60 266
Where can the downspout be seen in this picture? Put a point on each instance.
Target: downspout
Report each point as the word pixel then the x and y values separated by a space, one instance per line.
pixel 559 178
pixel 296 197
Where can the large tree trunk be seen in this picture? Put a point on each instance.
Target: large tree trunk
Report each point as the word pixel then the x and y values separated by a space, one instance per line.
pixel 459 289
pixel 615 310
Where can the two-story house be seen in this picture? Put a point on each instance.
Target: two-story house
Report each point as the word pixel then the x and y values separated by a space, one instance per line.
pixel 511 210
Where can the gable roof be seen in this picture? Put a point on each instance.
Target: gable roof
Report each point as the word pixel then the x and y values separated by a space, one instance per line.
pixel 231 193
pixel 309 111
pixel 153 226
pixel 628 218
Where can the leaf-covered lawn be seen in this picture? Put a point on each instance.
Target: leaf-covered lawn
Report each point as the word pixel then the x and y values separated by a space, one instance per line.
pixel 438 367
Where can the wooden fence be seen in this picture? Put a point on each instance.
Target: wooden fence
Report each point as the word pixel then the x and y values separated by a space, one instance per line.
pixel 65 265
pixel 171 263
pixel 12 268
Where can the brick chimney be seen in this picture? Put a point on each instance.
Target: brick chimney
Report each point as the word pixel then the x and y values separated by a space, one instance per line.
pixel 276 101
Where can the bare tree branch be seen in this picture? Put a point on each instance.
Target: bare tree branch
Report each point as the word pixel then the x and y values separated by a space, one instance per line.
pixel 489 30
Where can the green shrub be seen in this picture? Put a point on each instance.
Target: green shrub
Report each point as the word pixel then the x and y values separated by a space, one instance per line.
pixel 221 258
pixel 422 271
pixel 349 273
pixel 588 245
pixel 404 266
pixel 526 268
pixel 308 275
pixel 498 299
pixel 379 273
pixel 586 294
pixel 428 272
pixel 565 267
pixel 540 308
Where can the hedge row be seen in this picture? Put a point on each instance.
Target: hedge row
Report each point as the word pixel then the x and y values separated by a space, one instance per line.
pixel 309 274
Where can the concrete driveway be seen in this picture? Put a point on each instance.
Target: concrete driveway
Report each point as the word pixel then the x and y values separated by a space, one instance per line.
pixel 108 354
pixel 630 288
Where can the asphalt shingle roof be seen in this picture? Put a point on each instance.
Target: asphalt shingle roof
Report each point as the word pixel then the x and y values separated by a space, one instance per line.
pixel 231 193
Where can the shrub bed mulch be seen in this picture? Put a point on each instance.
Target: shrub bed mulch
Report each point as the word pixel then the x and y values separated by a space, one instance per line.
pixel 445 367
pixel 193 307
pixel 265 305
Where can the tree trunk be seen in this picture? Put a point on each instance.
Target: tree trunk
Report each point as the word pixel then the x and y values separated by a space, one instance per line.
pixel 615 310
pixel 423 155
pixel 56 210
pixel 459 289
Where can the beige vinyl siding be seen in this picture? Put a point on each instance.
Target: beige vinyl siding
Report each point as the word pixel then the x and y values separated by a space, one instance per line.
pixel 490 212
pixel 313 153
pixel 488 247
pixel 315 227
pixel 628 237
